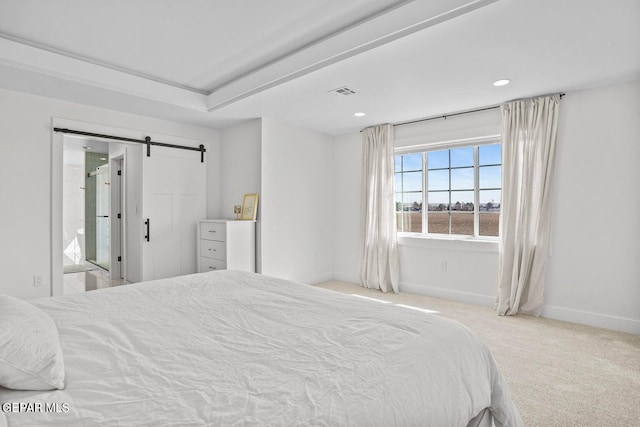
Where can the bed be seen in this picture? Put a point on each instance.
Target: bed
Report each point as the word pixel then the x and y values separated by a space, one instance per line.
pixel 241 349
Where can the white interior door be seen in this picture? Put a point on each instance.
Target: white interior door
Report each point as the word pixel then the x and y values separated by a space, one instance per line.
pixel 173 201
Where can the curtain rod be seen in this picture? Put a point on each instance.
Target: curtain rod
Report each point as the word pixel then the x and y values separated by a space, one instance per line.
pixel 147 141
pixel 444 116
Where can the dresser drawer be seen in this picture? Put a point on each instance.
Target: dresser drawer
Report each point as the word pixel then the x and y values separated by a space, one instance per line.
pixel 213 249
pixel 226 244
pixel 209 264
pixel 213 231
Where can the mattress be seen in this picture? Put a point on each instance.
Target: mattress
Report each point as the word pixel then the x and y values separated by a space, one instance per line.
pixel 242 349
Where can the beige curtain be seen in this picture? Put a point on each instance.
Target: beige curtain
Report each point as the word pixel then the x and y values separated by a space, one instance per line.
pixel 529 130
pixel 379 249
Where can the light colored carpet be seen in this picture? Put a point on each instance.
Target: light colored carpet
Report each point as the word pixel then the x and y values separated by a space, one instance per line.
pixel 559 373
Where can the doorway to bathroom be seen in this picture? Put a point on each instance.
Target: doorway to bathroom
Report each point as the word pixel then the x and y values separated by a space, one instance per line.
pixel 92 200
pixel 163 195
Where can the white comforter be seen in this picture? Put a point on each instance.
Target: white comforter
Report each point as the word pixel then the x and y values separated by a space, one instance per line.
pixel 231 348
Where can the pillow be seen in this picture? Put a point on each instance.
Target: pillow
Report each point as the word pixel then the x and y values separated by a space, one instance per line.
pixel 30 352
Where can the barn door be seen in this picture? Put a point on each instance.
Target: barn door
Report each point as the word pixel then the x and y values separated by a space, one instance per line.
pixel 173 200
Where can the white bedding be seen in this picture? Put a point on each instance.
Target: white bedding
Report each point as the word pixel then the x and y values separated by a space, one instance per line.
pixel 240 349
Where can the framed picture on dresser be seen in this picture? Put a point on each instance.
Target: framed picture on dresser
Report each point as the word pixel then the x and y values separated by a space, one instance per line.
pixel 249 206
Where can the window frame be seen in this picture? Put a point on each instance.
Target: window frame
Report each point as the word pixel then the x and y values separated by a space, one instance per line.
pixel 475 143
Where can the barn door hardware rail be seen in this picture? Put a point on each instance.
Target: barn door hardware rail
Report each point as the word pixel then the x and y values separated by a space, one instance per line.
pixel 147 141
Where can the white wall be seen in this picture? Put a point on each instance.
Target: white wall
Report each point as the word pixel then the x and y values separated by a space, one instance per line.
pixel 240 171
pixel 464 271
pixel 296 205
pixel 240 167
pixel 25 176
pixel 594 273
pixel 73 206
pixel 594 268
pixel 310 185
pixel 450 130
pixel 346 182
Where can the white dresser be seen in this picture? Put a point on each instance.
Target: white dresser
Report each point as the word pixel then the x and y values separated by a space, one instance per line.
pixel 226 244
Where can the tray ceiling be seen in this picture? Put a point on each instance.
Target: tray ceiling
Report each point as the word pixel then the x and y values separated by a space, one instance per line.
pixel 213 63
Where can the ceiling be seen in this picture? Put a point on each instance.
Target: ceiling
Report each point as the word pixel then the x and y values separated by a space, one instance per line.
pixel 215 63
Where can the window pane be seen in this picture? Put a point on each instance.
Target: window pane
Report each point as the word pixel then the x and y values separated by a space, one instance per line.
pixel 462 223
pixel 490 201
pixel 462 156
pixel 489 223
pixel 438 222
pixel 438 180
pixel 438 201
pixel 410 219
pixel 490 176
pixel 412 162
pixel 398 163
pixel 398 202
pixel 490 154
pixel 462 201
pixel 462 179
pixel 398 182
pixel 438 159
pixel 409 222
pixel 412 201
pixel 403 221
pixel 415 225
pixel 400 223
pixel 412 181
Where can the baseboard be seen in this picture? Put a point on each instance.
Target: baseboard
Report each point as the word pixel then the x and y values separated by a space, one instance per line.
pixel 449 294
pixel 597 320
pixel 552 312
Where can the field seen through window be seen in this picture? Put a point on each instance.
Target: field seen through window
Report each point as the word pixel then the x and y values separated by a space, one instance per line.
pixel 461 223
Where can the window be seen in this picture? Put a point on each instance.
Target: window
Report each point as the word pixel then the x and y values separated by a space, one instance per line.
pixel 460 188
pixel 409 192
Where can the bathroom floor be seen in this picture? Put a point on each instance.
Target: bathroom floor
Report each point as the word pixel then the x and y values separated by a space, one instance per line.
pixel 87 277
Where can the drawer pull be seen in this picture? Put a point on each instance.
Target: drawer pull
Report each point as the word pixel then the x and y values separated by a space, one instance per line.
pixel 212 231
pixel 212 249
pixel 212 268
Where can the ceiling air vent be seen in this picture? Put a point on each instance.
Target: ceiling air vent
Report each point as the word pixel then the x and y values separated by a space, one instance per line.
pixel 344 90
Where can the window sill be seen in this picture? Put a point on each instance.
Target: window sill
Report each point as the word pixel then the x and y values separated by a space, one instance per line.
pixel 475 244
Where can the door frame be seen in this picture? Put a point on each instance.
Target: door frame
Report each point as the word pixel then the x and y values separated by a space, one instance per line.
pixel 117 227
pixel 57 274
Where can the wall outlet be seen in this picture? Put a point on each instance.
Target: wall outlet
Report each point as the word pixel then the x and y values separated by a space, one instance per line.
pixel 443 266
pixel 37 280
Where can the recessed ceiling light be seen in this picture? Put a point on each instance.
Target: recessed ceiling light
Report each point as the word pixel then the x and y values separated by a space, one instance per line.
pixel 359 114
pixel 501 82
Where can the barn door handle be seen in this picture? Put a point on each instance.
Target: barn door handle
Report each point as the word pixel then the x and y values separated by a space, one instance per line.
pixel 147 223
